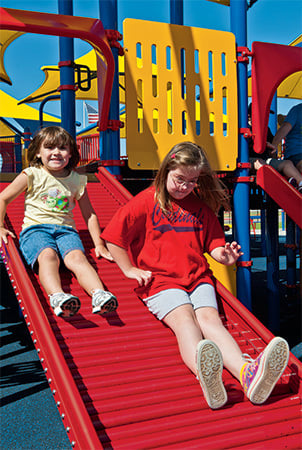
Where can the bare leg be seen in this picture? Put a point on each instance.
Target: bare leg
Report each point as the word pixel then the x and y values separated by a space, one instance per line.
pixel 87 277
pixel 299 166
pixel 183 323
pixel 213 329
pixel 290 170
pixel 49 276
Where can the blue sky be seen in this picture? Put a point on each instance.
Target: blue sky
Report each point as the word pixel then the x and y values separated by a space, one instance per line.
pixel 277 21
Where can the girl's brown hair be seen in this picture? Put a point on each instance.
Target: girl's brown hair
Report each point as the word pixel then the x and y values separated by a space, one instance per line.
pixel 208 187
pixel 53 136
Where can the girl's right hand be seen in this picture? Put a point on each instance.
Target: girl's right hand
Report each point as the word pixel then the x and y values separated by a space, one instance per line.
pixel 143 277
pixel 4 233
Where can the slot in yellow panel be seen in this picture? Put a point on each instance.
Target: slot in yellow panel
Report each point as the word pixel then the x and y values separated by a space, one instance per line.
pixel 181 85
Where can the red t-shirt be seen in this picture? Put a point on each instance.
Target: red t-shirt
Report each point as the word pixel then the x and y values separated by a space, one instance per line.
pixel 172 247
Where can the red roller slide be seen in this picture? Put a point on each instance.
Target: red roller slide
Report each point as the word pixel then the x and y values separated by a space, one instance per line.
pixel 285 195
pixel 119 381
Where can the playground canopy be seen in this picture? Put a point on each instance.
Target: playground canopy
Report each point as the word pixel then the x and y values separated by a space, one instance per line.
pixel 291 87
pixel 25 115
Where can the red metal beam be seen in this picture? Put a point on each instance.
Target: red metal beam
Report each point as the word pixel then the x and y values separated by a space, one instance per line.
pixel 89 30
pixel 285 195
pixel 271 64
pixel 75 417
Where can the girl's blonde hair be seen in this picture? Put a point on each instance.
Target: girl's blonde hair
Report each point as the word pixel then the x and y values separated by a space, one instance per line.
pixel 208 187
pixel 53 136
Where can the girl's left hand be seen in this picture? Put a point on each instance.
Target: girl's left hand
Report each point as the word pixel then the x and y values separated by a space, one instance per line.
pixel 231 252
pixel 102 252
pixel 228 254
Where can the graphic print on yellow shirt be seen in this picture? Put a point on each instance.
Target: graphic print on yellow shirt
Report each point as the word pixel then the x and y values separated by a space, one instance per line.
pixel 55 200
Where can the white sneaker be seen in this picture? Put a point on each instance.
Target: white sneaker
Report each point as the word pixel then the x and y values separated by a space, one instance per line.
pixel 65 305
pixel 103 302
pixel 209 368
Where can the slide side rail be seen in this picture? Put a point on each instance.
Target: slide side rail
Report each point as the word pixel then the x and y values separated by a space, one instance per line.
pixel 285 195
pixel 76 420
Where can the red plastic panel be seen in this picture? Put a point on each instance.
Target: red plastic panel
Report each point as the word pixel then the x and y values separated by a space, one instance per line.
pixel 285 195
pixel 127 367
pixel 271 64
pixel 90 30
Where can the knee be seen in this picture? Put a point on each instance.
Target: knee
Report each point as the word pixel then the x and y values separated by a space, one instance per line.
pixel 181 317
pixel 299 166
pixel 208 316
pixel 74 258
pixel 48 255
pixel 286 164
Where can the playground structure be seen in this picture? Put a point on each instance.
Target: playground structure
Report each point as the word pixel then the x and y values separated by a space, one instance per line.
pixel 143 125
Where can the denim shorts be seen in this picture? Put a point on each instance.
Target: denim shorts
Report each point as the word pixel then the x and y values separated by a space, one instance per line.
pixel 36 238
pixel 163 302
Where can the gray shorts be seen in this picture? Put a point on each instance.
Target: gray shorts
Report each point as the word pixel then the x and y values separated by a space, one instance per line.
pixel 163 302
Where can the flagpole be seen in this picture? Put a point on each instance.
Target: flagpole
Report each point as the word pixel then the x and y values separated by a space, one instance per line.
pixel 84 115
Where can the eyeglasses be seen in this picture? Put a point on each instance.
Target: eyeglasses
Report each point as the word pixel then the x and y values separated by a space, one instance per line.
pixel 181 182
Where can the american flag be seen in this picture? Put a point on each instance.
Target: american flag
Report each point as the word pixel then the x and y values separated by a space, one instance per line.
pixel 93 115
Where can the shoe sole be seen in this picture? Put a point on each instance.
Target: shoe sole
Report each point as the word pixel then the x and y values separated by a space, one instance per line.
pixel 209 368
pixel 68 308
pixel 272 365
pixel 109 306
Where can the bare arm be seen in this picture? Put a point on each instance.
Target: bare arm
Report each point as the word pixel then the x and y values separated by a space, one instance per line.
pixel 93 226
pixel 228 254
pixel 16 187
pixel 281 133
pixel 122 259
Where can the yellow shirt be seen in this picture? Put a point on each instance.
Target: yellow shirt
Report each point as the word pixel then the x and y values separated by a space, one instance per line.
pixel 50 200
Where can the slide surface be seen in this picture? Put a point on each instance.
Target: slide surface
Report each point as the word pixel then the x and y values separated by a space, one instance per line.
pixel 119 380
pixel 285 195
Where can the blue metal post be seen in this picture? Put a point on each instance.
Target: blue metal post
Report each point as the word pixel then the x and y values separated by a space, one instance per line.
pixel 176 12
pixel 27 141
pixel 18 153
pixel 109 139
pixel 273 285
pixel 67 74
pixel 241 189
pixel 290 253
pixel 273 117
pixel 272 244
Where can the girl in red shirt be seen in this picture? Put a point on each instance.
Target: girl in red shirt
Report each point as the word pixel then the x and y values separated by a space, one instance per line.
pixel 159 239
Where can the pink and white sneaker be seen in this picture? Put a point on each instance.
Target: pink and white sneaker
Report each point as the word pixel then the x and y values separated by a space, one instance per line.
pixel 259 377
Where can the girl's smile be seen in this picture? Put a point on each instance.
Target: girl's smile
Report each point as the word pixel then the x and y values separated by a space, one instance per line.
pixel 181 181
pixel 55 158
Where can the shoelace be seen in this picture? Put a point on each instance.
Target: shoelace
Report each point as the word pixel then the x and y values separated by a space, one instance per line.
pixel 247 358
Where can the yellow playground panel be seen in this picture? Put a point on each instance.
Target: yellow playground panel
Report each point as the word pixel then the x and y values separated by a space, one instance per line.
pixel 181 86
